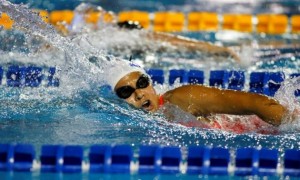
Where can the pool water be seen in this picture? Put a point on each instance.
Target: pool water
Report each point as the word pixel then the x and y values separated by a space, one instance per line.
pixel 83 111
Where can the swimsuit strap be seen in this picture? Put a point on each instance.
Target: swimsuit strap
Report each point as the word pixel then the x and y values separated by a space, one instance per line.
pixel 161 100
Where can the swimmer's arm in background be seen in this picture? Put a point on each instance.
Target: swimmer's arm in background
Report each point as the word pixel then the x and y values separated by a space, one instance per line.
pixel 195 45
pixel 204 101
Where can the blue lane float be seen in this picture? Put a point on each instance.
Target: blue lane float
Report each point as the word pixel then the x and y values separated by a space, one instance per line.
pixel 23 155
pixel 51 158
pixel 121 157
pixel 219 159
pixel 6 157
pixel 267 161
pixel 292 162
pixel 170 159
pixel 72 159
pixel 100 158
pixel 197 160
pixel 245 161
pixel 18 157
pixel 151 159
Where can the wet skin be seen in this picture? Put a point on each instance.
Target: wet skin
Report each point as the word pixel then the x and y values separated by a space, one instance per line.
pixel 144 98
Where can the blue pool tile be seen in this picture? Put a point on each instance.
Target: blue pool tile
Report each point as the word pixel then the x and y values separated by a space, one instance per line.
pixel 121 157
pixel 149 159
pixel 195 77
pixel 157 75
pixel 170 159
pixel 292 162
pixel 6 157
pixel 218 78
pixel 33 76
pixel 197 159
pixel 296 75
pixel 236 80
pixel 24 154
pixel 174 74
pixel 51 158
pixel 100 158
pixel 266 82
pixel 267 161
pixel 272 82
pixel 15 76
pixel 219 161
pixel 51 80
pixel 246 161
pixel 72 158
pixel 256 83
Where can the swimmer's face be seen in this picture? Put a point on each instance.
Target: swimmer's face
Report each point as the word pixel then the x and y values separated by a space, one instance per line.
pixel 137 90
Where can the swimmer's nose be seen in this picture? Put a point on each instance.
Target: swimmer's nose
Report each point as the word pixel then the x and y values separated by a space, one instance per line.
pixel 138 95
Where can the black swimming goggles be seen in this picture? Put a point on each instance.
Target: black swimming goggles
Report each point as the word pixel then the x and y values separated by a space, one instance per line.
pixel 125 92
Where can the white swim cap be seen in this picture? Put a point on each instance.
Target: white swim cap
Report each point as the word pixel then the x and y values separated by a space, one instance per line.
pixel 120 68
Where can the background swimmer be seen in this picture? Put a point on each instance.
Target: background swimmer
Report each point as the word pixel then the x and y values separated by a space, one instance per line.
pixel 164 42
pixel 182 42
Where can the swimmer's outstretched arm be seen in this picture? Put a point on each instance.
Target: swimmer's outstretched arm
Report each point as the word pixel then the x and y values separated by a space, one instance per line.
pixel 193 44
pixel 203 101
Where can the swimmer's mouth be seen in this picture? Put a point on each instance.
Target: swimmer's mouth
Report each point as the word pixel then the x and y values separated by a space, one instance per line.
pixel 146 105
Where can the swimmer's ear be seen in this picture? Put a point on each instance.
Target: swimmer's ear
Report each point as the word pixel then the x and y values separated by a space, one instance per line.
pixel 129 25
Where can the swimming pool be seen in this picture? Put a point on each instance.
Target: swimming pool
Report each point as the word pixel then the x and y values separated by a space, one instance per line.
pixel 71 107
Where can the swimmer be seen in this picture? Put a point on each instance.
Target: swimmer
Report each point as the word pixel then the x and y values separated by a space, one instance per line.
pixel 78 25
pixel 182 42
pixel 134 86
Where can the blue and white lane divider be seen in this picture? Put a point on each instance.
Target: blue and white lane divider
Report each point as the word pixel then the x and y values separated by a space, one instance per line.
pixel 151 159
pixel 259 82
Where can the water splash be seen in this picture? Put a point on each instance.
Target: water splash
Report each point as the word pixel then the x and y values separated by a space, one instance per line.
pixel 85 117
pixel 76 62
pixel 286 96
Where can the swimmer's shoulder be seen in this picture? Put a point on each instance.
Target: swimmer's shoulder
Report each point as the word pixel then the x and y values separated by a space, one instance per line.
pixel 183 91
